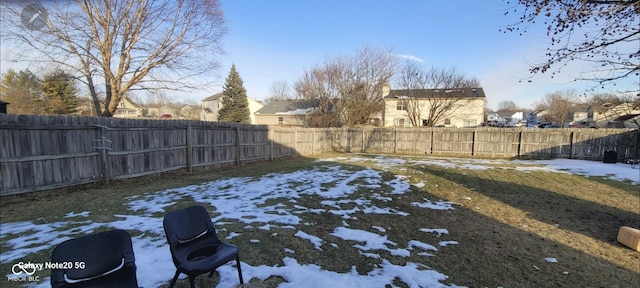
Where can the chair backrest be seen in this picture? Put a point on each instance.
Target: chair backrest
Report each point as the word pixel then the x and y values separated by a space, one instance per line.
pixel 103 259
pixel 187 225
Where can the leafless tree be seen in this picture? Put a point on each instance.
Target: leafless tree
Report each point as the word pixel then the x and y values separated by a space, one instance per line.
pixel 508 105
pixel 279 90
pixel 608 99
pixel 558 106
pixel 412 78
pixel 431 95
pixel 121 44
pixel 348 90
pixel 605 33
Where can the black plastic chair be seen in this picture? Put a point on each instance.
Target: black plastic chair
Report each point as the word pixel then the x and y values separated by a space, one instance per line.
pixel 195 247
pixel 101 260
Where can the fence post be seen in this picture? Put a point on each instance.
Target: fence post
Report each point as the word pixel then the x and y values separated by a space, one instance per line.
pixel 395 141
pixel 189 141
pixel 238 145
pixel 295 141
pixel 270 135
pixel 313 141
pixel 473 142
pixel 363 147
pixel 102 143
pixel 519 144
pixel 433 131
pixel 571 147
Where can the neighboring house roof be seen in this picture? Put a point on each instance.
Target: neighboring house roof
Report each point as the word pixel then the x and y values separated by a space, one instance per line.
pixel 582 108
pixel 626 117
pixel 495 115
pixel 437 93
pixel 217 96
pixel 213 97
pixel 134 104
pixel 288 106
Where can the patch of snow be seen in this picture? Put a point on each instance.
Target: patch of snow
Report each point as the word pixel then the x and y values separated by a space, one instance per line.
pixel 316 241
pixel 439 231
pixel 447 243
pixel 422 245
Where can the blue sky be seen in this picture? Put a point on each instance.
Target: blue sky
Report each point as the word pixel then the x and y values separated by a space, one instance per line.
pixel 277 40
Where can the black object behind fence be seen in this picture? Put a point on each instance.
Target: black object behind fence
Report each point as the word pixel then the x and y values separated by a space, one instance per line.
pixel 610 156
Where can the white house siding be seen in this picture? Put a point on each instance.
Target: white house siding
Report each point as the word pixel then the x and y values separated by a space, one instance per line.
pixel 280 119
pixel 254 106
pixel 468 112
pixel 211 106
pixel 127 109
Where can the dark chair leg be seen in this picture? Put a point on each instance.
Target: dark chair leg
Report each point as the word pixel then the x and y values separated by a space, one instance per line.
pixel 239 270
pixel 192 281
pixel 211 273
pixel 175 277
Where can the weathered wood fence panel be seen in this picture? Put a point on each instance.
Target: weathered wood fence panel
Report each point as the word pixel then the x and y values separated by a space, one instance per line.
pixel 453 141
pixel 45 152
pixel 39 153
pixel 411 140
pixel 556 143
pixel 592 143
pixel 496 142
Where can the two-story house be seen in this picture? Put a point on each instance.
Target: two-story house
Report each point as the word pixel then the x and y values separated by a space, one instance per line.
pixel 129 109
pixel 212 104
pixel 582 116
pixel 496 120
pixel 462 107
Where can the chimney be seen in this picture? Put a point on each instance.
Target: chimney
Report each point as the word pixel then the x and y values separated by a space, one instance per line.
pixel 385 90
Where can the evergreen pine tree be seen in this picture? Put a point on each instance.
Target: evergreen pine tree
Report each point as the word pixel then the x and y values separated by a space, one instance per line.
pixel 23 90
pixel 235 106
pixel 60 93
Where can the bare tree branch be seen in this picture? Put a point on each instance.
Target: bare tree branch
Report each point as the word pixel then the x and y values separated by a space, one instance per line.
pixel 431 95
pixel 604 33
pixel 348 90
pixel 123 45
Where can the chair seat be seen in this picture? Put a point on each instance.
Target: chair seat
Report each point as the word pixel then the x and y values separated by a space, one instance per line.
pixel 199 262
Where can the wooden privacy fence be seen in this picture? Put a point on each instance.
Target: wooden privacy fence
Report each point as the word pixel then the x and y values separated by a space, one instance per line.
pixel 45 152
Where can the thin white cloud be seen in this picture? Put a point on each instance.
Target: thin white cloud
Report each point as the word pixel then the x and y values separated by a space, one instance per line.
pixel 409 57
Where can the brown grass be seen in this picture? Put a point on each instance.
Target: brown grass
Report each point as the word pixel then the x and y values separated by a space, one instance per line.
pixel 506 223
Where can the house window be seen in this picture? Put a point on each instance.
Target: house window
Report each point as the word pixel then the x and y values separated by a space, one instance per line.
pixel 399 122
pixel 401 105
pixel 447 121
pixel 280 120
pixel 425 122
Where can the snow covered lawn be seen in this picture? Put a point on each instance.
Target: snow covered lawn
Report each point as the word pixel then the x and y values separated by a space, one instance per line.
pixel 331 226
